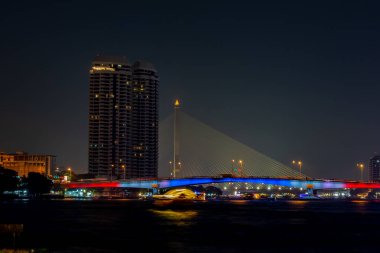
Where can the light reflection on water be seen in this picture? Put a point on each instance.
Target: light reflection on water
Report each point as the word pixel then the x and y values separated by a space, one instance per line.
pixel 180 223
pixel 297 202
pixel 239 201
pixel 12 228
pixel 360 202
pixel 16 250
pixel 181 218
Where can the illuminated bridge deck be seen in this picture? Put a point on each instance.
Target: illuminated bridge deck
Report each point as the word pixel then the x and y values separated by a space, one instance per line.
pixel 177 182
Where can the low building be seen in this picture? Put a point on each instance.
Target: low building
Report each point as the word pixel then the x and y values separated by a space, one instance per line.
pixel 23 163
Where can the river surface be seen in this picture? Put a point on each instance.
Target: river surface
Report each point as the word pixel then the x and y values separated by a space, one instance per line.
pixel 207 226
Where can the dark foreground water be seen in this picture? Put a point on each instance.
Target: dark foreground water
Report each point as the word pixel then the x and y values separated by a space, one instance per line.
pixel 211 226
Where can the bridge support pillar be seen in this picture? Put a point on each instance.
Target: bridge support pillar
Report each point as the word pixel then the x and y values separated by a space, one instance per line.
pixel 155 191
pixel 311 192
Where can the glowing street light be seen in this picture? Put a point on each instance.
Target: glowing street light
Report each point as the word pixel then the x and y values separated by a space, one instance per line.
pixel 241 167
pixel 69 169
pixel 179 166
pixel 172 167
pixel 299 163
pixel 233 166
pixel 361 167
pixel 123 167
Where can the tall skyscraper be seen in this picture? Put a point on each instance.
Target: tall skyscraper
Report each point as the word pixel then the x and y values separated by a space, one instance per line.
pixel 123 119
pixel 374 168
pixel 144 135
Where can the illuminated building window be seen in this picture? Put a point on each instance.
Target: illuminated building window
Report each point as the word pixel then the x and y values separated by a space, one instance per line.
pixel 95 68
pixel 121 91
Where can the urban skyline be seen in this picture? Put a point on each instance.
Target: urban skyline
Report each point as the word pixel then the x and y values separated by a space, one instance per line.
pixel 297 82
pixel 185 126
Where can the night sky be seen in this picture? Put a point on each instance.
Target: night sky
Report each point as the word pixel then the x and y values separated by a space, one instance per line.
pixel 294 80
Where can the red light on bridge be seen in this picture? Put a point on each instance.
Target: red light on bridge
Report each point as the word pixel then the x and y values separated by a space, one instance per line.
pixel 363 185
pixel 93 185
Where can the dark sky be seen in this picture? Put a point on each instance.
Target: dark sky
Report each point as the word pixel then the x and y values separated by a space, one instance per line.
pixel 295 80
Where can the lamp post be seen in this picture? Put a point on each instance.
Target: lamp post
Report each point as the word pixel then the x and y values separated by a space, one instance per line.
pixel 112 170
pixel 123 166
pixel 69 169
pixel 171 168
pixel 361 168
pixel 299 163
pixel 241 167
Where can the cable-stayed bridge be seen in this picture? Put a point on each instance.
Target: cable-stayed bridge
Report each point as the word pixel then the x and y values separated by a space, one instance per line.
pixel 316 184
pixel 198 154
pixel 205 151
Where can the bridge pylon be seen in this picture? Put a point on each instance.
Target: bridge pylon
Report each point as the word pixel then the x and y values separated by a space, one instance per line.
pixel 176 133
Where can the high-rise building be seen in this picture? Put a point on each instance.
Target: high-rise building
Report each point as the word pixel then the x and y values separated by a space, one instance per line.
pixel 374 168
pixel 123 119
pixel 144 127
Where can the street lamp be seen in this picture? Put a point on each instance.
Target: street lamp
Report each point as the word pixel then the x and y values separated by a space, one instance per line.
pixel 123 166
pixel 112 170
pixel 241 167
pixel 171 167
pixel 361 167
pixel 69 169
pixel 299 163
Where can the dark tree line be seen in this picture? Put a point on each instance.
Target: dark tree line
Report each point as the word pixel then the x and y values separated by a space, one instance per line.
pixel 8 180
pixel 36 184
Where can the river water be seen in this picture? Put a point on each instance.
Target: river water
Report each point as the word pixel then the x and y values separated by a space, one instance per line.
pixel 206 226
